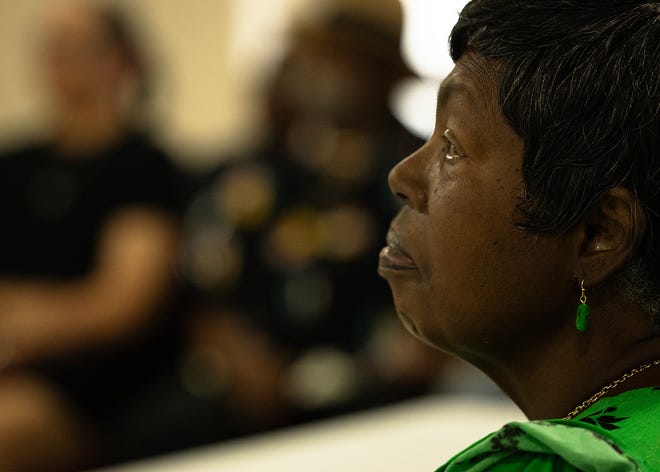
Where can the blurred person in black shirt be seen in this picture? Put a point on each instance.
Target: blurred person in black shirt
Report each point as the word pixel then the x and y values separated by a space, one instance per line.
pixel 293 323
pixel 87 247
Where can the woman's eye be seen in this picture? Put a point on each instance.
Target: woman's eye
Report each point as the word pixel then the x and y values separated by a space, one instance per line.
pixel 453 152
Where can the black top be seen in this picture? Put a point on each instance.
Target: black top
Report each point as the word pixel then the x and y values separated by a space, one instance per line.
pixel 53 206
pixel 53 210
pixel 307 269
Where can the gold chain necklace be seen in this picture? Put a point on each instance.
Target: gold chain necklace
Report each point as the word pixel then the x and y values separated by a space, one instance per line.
pixel 595 397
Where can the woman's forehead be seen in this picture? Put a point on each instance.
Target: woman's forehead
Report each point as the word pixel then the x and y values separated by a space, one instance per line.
pixel 475 79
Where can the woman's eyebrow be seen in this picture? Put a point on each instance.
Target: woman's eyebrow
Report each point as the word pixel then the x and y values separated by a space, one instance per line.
pixel 450 88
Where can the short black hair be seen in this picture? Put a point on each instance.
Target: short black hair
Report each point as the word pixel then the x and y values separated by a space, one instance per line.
pixel 123 35
pixel 580 83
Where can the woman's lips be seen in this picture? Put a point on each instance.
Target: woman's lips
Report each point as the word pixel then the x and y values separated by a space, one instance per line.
pixel 394 257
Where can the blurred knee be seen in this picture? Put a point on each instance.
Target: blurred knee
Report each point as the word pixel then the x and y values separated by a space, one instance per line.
pixel 38 431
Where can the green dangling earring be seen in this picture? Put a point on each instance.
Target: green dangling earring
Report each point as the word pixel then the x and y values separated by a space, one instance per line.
pixel 583 311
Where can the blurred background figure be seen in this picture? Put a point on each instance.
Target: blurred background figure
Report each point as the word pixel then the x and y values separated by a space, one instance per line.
pixel 290 323
pixel 87 250
pixel 124 333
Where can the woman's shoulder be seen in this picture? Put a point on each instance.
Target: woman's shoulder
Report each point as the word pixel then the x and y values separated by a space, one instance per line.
pixel 618 433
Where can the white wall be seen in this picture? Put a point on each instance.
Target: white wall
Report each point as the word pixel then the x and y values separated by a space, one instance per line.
pixel 205 98
pixel 212 55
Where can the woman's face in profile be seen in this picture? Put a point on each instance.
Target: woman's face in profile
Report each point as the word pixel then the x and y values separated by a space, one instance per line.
pixel 463 277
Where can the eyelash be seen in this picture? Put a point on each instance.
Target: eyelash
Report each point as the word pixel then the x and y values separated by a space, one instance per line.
pixel 453 152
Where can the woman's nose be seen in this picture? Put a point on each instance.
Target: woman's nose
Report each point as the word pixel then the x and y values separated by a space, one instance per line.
pixel 407 181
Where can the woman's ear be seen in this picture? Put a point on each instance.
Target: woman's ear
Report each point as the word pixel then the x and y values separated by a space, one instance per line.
pixel 610 235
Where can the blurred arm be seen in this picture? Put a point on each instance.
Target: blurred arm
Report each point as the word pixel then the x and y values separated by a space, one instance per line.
pixel 113 304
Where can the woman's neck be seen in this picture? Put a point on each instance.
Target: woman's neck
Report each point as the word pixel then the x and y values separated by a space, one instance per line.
pixel 87 129
pixel 563 372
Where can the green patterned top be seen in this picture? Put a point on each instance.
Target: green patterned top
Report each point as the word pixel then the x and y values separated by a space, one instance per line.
pixel 615 434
